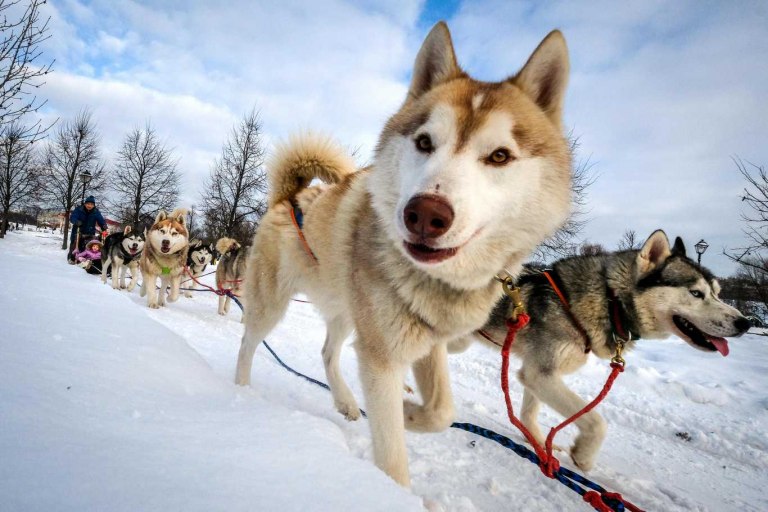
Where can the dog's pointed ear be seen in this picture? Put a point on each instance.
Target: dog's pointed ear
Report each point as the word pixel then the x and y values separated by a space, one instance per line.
pixel 435 62
pixel 679 248
pixel 161 216
pixel 654 252
pixel 195 243
pixel 545 76
pixel 127 230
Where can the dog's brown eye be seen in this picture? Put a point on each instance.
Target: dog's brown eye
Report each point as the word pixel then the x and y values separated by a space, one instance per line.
pixel 499 156
pixel 424 143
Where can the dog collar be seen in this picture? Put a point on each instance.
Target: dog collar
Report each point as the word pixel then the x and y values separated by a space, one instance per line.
pixel 620 321
pixel 166 270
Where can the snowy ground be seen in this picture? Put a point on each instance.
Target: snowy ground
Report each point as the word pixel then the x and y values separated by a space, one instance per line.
pixel 107 405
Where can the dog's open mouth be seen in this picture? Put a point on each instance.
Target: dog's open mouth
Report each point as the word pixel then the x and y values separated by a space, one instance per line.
pixel 699 337
pixel 425 254
pixel 165 248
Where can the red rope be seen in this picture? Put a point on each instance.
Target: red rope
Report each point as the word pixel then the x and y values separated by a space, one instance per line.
pixel 219 291
pixel 303 240
pixel 548 463
pixel 616 370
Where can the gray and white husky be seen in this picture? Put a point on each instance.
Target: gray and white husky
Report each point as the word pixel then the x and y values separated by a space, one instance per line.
pixel 652 293
pixel 199 257
pixel 467 179
pixel 121 252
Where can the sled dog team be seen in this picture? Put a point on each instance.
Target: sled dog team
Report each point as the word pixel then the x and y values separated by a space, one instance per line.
pixel 468 177
pixel 164 251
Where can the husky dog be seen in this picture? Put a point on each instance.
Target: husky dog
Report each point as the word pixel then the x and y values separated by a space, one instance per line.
pixel 164 256
pixel 122 252
pixel 199 257
pixel 650 293
pixel 467 179
pixel 230 270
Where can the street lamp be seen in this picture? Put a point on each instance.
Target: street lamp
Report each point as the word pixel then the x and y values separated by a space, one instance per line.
pixel 85 177
pixel 701 246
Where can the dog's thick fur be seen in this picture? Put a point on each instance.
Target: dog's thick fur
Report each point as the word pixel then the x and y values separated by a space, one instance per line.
pixel 164 256
pixel 200 255
pixel 230 271
pixel 122 251
pixel 660 292
pixel 468 178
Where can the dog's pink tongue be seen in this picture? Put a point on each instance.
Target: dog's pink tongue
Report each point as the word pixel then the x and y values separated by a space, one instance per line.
pixel 720 344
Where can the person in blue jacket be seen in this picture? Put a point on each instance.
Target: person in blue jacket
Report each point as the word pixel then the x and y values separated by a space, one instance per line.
pixel 85 217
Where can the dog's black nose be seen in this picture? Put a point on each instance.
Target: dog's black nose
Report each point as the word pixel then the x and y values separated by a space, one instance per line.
pixel 428 216
pixel 742 324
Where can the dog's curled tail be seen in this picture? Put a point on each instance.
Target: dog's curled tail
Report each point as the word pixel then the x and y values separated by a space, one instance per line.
pixel 303 158
pixel 224 245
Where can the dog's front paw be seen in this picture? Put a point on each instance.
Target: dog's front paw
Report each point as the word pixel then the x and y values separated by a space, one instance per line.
pixel 154 306
pixel 349 410
pixel 188 295
pixel 123 287
pixel 421 419
pixel 583 460
pixel 131 287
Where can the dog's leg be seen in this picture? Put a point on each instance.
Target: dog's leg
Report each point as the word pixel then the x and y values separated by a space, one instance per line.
pixel 104 267
pixel 431 373
pixel 191 285
pixel 148 287
pixel 162 291
pixel 551 390
pixel 263 315
pixel 337 331
pixel 175 286
pixel 222 298
pixel 117 265
pixel 226 304
pixel 123 270
pixel 134 276
pixel 383 387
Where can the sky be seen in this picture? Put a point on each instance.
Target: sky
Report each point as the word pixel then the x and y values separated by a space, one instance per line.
pixel 662 95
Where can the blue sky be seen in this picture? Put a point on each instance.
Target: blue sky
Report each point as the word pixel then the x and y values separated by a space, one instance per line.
pixel 662 94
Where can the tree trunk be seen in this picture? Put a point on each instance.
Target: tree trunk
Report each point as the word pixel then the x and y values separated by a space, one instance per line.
pixel 66 232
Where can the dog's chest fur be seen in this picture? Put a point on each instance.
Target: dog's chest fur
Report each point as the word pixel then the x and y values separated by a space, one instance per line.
pixel 397 307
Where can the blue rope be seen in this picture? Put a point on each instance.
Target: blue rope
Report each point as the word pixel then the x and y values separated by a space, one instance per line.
pixel 563 475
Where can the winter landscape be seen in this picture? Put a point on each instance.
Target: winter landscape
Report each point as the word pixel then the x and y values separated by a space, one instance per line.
pixel 600 122
pixel 107 405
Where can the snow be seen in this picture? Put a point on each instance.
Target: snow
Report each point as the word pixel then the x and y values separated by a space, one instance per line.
pixel 107 405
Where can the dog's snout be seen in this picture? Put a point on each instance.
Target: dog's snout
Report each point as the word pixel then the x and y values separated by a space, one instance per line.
pixel 428 216
pixel 742 325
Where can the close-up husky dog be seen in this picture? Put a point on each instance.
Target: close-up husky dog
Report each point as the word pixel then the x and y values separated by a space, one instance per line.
pixel 164 256
pixel 650 293
pixel 468 177
pixel 230 270
pixel 122 252
pixel 199 257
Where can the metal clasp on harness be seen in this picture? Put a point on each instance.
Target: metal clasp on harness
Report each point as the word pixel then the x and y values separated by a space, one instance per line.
pixel 619 349
pixel 513 292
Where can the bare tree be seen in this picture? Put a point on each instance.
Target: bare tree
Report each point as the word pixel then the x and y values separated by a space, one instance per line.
pixel 74 152
pixel 18 178
pixel 234 193
pixel 564 241
pixel 591 249
pixel 21 33
pixel 629 241
pixel 752 257
pixel 146 178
